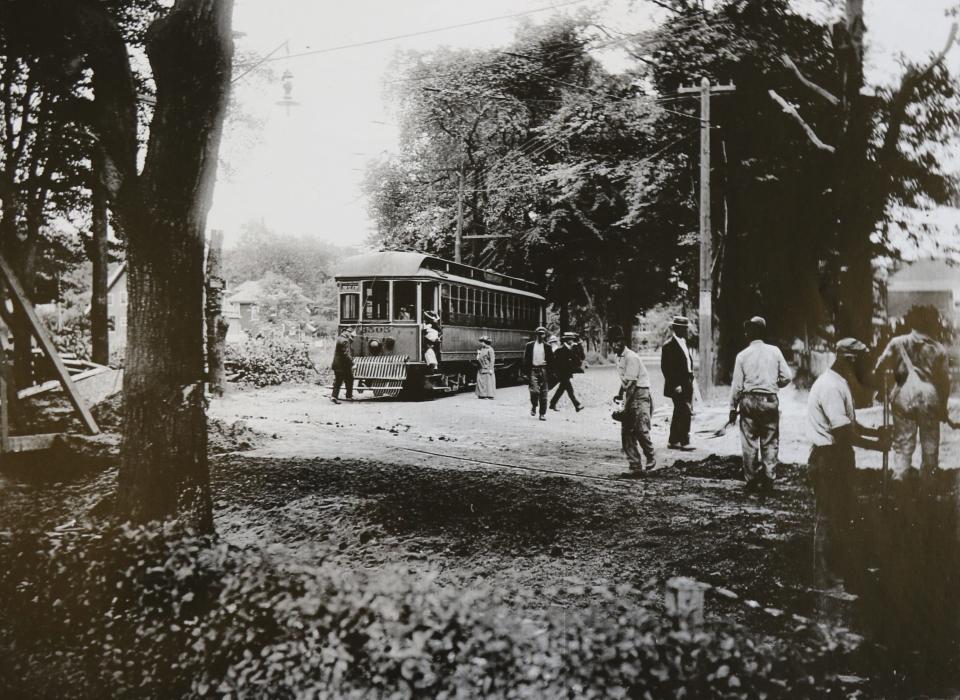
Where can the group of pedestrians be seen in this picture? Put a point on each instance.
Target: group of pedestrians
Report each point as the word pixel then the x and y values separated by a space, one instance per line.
pixel 541 361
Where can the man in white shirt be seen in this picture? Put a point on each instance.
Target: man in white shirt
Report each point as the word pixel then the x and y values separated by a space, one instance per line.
pixel 537 360
pixel 759 372
pixel 834 432
pixel 637 406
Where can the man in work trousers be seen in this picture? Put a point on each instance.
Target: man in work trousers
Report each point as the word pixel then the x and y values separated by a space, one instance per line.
pixel 537 360
pixel 637 407
pixel 919 399
pixel 342 365
pixel 759 371
pixel 677 367
pixel 834 432
pixel 565 363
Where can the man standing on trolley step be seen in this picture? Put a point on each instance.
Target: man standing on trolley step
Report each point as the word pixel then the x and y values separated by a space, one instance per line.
pixel 342 365
pixel 537 359
pixel 759 371
pixel 677 367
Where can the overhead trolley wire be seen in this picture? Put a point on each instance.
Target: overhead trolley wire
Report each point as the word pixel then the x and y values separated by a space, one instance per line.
pixel 423 32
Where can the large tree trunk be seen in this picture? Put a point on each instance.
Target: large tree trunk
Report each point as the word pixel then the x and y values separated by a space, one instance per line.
pixel 164 470
pixel 855 216
pixel 99 256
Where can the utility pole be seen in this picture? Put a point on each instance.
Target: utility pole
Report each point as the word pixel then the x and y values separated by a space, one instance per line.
pixel 458 242
pixel 706 234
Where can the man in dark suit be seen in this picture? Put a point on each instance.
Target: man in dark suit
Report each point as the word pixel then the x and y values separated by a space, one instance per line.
pixel 676 364
pixel 342 365
pixel 537 360
pixel 566 362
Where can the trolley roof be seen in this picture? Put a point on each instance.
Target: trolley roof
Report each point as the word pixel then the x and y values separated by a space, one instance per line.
pixel 395 264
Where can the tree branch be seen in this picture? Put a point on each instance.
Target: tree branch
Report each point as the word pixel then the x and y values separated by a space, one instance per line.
pixel 904 95
pixel 792 111
pixel 824 93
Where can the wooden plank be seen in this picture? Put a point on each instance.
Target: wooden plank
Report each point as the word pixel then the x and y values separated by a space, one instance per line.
pixel 20 298
pixel 55 383
pixel 31 443
pixel 4 414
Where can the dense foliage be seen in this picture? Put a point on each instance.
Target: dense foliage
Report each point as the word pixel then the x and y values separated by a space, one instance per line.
pixel 593 177
pixel 150 612
pixel 269 362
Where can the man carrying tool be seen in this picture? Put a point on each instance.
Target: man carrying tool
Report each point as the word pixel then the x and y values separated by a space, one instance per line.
pixel 637 406
pixel 834 432
pixel 919 399
pixel 759 372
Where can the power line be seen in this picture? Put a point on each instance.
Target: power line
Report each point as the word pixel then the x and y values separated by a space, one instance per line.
pixel 423 32
pixel 258 63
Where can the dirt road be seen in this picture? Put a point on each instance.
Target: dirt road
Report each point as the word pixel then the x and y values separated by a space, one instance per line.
pixel 307 424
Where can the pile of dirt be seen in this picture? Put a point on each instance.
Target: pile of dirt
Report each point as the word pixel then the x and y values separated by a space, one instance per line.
pixel 232 437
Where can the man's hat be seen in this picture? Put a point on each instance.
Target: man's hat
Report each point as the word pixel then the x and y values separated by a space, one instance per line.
pixel 540 329
pixel 756 322
pixel 680 322
pixel 850 347
pixel 485 339
pixel 614 334
pixel 569 335
pixel 554 339
pixel 432 315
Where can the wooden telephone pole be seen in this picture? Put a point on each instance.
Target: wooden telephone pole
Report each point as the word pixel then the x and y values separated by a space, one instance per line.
pixel 706 234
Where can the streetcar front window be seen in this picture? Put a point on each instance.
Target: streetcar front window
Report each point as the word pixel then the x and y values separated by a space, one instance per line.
pixel 376 297
pixel 349 307
pixel 404 301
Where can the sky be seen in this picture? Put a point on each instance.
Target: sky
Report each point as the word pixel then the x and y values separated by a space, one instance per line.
pixel 299 169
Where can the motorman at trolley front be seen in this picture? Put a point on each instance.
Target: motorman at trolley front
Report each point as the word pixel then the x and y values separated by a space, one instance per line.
pixel 834 432
pixel 759 371
pixel 537 360
pixel 342 365
pixel 637 406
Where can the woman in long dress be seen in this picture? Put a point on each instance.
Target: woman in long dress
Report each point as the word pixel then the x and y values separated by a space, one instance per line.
pixel 486 378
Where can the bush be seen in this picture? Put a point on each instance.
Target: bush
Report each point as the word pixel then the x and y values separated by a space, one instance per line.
pixel 268 362
pixel 149 612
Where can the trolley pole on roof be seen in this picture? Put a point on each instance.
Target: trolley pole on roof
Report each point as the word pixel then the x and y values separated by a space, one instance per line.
pixel 706 348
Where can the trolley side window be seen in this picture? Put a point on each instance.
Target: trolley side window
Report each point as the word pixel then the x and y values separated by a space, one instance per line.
pixel 447 302
pixel 376 296
pixel 349 307
pixel 428 296
pixel 404 301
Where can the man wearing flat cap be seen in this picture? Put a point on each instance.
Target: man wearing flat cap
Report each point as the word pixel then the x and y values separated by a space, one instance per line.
pixel 342 365
pixel 834 432
pixel 537 360
pixel 676 364
pixel 759 371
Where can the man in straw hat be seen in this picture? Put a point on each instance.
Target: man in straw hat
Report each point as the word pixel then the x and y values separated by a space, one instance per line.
pixel 759 371
pixel 342 364
pixel 676 364
pixel 834 432
pixel 637 406
pixel 537 359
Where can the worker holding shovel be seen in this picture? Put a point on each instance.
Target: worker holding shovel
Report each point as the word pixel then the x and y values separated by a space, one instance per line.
pixel 759 372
